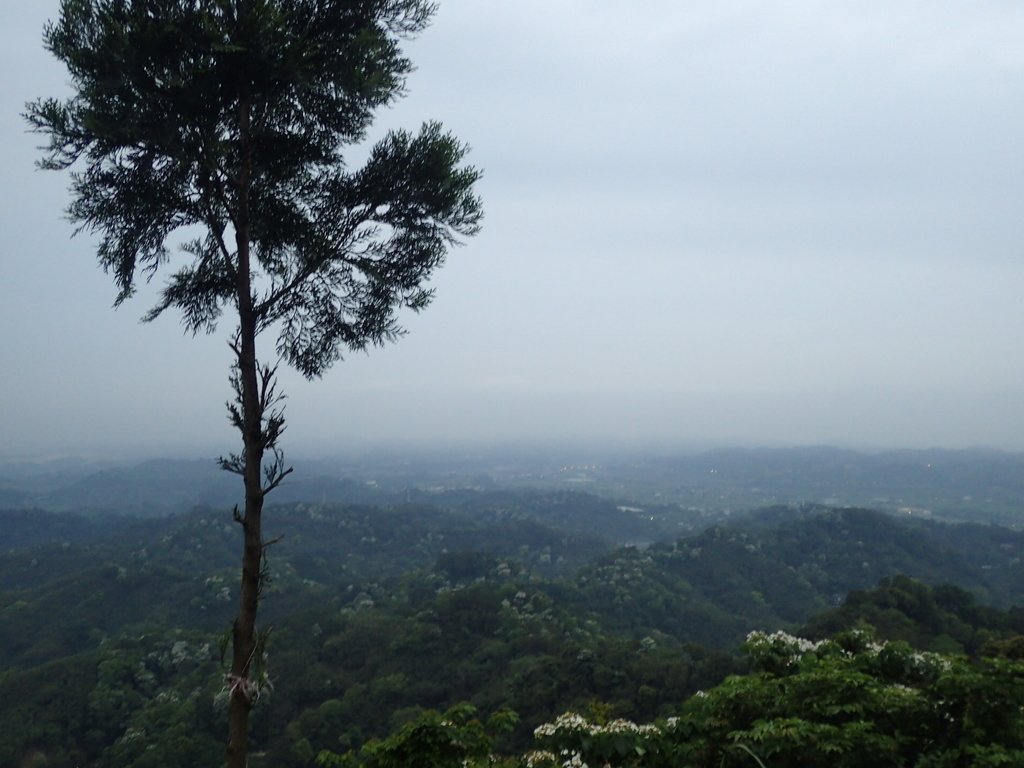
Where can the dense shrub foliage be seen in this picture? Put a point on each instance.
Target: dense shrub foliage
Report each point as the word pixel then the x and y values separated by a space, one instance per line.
pixel 845 702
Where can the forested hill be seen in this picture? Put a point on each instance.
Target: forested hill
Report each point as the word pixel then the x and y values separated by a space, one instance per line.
pixel 780 566
pixel 942 619
pixel 181 571
pixel 772 568
pixel 111 624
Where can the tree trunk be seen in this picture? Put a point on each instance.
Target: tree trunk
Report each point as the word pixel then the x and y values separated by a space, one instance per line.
pixel 244 648
pixel 244 629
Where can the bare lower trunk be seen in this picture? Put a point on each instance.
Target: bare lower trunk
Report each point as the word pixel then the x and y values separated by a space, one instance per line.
pixel 244 640
pixel 244 645
pixel 244 629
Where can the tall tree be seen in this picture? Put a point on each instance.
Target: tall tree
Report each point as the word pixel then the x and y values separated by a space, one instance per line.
pixel 221 126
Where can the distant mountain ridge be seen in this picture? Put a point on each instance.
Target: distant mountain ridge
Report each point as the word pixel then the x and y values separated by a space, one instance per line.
pixel 160 487
pixel 976 484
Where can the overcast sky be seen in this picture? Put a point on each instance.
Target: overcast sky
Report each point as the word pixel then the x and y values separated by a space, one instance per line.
pixel 714 222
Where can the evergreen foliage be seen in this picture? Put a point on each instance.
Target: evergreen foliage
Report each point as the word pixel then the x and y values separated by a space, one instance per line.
pixel 231 118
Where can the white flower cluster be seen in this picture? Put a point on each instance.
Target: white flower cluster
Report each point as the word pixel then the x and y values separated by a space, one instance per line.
pixel 928 662
pixel 179 652
pixel 538 757
pixel 623 726
pixel 795 647
pixel 132 734
pixel 577 727
pixel 168 697
pixel 570 721
pixel 542 757
pixel 784 641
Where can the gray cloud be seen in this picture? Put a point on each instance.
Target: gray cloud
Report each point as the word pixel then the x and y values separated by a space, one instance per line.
pixel 721 221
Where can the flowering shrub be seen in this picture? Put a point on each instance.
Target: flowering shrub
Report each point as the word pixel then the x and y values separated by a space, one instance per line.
pixel 850 702
pixel 846 702
pixel 573 741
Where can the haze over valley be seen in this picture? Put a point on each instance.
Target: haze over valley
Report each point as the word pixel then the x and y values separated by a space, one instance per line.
pixel 706 448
